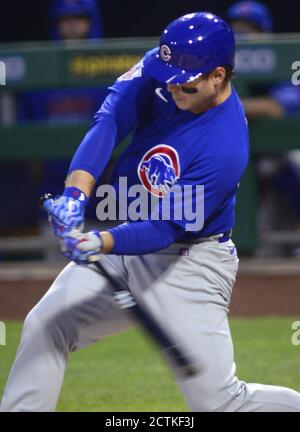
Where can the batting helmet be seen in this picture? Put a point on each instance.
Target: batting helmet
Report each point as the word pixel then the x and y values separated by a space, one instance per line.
pixel 191 46
pixel 253 12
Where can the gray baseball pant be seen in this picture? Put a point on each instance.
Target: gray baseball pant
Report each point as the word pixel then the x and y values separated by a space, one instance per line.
pixel 189 295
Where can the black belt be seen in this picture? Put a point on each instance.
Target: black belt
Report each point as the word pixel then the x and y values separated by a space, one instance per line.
pixel 225 236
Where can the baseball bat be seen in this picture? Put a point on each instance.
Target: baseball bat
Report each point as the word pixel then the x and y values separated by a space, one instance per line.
pixel 125 300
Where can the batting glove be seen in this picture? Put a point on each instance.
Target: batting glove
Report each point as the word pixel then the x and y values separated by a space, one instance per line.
pixel 82 248
pixel 66 212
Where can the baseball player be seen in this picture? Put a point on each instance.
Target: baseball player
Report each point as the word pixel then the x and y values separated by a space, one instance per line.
pixel 188 128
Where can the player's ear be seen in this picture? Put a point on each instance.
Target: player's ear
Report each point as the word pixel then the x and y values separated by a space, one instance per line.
pixel 218 75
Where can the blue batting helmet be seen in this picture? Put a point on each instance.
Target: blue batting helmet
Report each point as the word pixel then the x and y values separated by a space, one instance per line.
pixel 191 46
pixel 253 12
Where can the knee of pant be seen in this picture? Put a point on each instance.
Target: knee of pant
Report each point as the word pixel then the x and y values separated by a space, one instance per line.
pixel 36 323
pixel 45 335
pixel 32 323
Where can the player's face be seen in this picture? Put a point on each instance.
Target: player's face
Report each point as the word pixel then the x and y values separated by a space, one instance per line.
pixel 74 27
pixel 201 94
pixel 248 30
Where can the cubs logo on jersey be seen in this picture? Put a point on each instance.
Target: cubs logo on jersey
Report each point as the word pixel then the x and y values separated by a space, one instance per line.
pixel 159 169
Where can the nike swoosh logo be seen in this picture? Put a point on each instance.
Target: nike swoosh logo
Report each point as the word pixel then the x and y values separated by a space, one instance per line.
pixel 159 94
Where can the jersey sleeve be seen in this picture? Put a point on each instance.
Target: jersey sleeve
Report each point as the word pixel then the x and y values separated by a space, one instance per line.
pixel 288 96
pixel 117 117
pixel 139 238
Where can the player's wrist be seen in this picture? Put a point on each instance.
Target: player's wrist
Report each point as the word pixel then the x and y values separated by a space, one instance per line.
pixel 81 180
pixel 108 241
pixel 76 193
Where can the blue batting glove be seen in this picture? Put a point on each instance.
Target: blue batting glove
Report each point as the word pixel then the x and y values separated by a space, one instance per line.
pixel 82 248
pixel 66 212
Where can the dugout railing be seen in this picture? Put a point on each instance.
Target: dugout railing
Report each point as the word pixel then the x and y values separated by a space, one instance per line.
pixel 270 59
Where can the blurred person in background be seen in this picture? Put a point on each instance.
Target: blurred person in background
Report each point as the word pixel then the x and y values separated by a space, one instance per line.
pixel 253 20
pixel 70 21
pixel 76 19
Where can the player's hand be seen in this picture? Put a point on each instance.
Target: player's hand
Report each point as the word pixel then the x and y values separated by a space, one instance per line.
pixel 82 247
pixel 66 212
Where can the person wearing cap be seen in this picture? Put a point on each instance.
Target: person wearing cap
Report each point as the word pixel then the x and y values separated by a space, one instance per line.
pixel 283 99
pixel 70 21
pixel 253 19
pixel 76 19
pixel 248 17
pixel 178 180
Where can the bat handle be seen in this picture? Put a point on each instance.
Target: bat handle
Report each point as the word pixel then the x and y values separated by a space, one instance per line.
pixel 43 200
pixel 94 258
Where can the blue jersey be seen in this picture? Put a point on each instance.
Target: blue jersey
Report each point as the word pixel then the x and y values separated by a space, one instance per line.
pixel 179 147
pixel 60 105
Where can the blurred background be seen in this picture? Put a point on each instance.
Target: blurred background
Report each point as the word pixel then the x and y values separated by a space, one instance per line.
pixel 29 20
pixel 60 57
